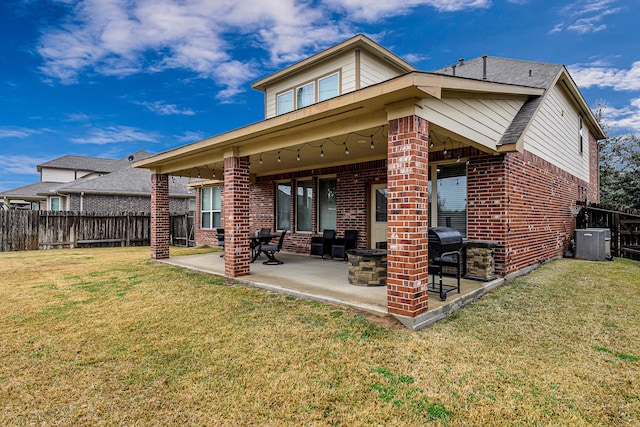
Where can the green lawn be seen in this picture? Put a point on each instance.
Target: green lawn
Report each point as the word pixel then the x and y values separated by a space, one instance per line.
pixel 107 337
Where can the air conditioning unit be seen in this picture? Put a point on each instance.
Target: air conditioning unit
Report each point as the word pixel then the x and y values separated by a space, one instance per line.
pixel 593 244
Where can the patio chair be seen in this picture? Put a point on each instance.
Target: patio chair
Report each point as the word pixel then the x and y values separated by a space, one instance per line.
pixel 341 246
pixel 322 245
pixel 270 249
pixel 220 232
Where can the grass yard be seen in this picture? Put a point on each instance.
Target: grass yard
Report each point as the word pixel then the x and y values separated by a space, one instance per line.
pixel 107 337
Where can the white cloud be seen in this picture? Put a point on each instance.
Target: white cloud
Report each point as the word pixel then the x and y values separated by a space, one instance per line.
pixel 368 10
pixel 114 135
pixel 19 132
pixel 20 164
pixel 627 118
pixel 120 38
pixel 163 109
pixel 590 75
pixel 190 137
pixel 586 17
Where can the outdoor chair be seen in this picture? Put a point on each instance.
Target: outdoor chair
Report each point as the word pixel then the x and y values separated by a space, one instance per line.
pixel 342 245
pixel 322 245
pixel 220 232
pixel 270 249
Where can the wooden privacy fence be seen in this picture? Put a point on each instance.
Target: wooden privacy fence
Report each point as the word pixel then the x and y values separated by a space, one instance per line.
pixel 624 225
pixel 32 230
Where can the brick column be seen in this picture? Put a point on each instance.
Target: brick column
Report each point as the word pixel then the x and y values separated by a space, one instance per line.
pixel 407 234
pixel 160 216
pixel 235 205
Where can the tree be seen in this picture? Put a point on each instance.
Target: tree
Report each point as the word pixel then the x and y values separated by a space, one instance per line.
pixel 619 166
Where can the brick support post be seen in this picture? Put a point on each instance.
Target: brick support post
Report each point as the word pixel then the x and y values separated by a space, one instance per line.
pixel 408 204
pixel 235 202
pixel 160 238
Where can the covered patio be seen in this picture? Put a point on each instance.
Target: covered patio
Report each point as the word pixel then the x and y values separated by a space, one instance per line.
pixel 326 280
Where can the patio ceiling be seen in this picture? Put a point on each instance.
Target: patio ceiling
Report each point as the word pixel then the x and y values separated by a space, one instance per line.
pixel 333 127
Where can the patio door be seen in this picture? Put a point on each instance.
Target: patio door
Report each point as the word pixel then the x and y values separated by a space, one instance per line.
pixel 378 214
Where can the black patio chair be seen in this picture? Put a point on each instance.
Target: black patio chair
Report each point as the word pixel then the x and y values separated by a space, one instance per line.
pixel 220 232
pixel 270 250
pixel 322 245
pixel 342 245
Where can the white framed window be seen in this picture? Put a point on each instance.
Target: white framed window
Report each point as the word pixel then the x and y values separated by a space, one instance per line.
pixel 581 133
pixel 211 207
pixel 306 95
pixel 448 196
pixel 302 96
pixel 304 205
pixel 283 206
pixel 284 102
pixel 192 205
pixel 55 203
pixel 327 203
pixel 328 87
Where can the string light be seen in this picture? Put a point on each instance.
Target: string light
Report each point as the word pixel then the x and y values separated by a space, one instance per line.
pixel 322 150
pixel 260 158
pixel 279 160
pixel 372 146
pixel 298 158
pixel 346 148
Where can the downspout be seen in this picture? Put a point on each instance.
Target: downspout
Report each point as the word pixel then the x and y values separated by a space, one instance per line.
pixel 82 201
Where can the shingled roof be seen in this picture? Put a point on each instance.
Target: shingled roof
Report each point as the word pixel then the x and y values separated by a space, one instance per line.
pixel 31 192
pixel 95 164
pixel 509 71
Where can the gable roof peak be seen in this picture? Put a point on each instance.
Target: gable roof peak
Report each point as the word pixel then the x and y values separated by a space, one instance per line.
pixel 359 41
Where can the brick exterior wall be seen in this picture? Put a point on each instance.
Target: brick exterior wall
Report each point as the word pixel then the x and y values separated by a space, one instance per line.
pixel 160 220
pixel 115 203
pixel 408 205
pixel 521 202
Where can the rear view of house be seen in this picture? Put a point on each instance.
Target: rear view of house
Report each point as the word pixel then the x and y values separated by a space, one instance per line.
pixel 355 138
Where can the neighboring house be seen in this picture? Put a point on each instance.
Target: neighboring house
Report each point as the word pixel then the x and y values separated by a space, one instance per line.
pixel 356 138
pixel 77 183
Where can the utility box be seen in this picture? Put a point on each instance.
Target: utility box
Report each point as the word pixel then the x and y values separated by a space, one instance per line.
pixel 593 244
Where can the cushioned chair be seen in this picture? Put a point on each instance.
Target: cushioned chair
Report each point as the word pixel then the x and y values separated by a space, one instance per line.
pixel 322 245
pixel 270 249
pixel 220 232
pixel 342 245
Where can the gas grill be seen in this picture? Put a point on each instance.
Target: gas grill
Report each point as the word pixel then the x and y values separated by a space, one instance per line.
pixel 445 252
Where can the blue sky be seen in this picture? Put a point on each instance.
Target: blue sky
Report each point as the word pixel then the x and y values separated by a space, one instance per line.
pixel 106 78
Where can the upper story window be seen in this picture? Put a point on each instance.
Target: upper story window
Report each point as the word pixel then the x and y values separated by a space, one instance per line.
pixel 306 95
pixel 285 102
pixel 581 133
pixel 328 87
pixel 302 96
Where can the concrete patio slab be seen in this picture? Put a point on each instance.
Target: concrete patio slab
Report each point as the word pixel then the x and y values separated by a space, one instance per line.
pixel 326 280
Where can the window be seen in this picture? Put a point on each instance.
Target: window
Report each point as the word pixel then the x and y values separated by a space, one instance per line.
pixel 305 95
pixel 580 133
pixel 326 204
pixel 304 199
pixel 328 87
pixel 451 197
pixel 211 207
pixel 55 204
pixel 283 206
pixel 285 102
pixel 192 205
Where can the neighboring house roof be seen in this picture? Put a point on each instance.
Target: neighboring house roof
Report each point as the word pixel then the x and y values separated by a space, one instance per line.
pixel 31 192
pixel 128 181
pixel 126 161
pixel 84 163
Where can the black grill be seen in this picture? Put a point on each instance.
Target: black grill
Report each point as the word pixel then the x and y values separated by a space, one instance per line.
pixel 442 240
pixel 445 245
